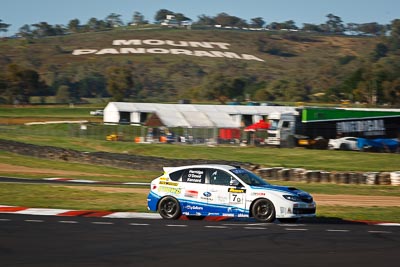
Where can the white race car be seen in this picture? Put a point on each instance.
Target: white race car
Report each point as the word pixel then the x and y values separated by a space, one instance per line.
pixel 223 190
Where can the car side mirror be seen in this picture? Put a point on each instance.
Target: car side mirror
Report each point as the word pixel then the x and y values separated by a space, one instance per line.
pixel 234 182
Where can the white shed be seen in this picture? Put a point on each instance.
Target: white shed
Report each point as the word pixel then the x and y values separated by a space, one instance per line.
pixel 188 115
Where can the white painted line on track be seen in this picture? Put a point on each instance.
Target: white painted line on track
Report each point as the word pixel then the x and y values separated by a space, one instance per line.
pixel 296 229
pixel 379 232
pixel 34 221
pixel 291 225
pixel 255 228
pixel 104 223
pixel 337 230
pixel 71 222
pixel 245 224
pixel 176 225
pixel 136 215
pixel 5 220
pixel 388 224
pixel 139 224
pixel 216 226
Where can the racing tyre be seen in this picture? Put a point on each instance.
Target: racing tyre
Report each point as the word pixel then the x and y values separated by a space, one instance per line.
pixel 263 210
pixel 169 208
pixel 344 147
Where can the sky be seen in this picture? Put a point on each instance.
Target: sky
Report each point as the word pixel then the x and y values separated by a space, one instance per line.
pixel 21 12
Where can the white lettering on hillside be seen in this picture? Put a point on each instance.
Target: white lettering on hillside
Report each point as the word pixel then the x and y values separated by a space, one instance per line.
pixel 156 49
pixel 171 43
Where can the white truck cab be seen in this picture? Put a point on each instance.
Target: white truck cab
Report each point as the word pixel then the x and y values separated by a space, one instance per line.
pixel 281 129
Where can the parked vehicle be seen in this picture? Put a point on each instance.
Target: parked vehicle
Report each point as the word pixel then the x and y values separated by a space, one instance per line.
pixel 313 127
pixel 223 190
pixel 379 145
pixel 98 112
pixel 344 143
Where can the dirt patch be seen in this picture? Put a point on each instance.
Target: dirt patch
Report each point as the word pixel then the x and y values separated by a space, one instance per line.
pixel 8 168
pixel 356 201
pixel 110 189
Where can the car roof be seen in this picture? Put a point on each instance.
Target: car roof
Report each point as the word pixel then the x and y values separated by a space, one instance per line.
pixel 216 166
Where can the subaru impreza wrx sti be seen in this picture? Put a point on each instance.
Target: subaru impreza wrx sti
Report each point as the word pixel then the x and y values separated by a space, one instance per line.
pixel 224 190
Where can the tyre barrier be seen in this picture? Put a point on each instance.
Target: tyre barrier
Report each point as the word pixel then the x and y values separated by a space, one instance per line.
pixel 395 178
pixel 320 176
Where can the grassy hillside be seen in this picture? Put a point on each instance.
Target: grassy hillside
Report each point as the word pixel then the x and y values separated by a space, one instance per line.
pixel 320 62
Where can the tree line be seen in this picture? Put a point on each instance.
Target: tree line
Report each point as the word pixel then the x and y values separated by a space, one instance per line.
pixel 375 79
pixel 333 25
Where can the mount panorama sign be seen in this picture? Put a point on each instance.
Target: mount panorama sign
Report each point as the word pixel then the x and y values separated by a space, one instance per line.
pixel 154 46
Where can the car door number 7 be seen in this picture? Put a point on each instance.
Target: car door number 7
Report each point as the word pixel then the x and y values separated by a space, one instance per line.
pixel 235 198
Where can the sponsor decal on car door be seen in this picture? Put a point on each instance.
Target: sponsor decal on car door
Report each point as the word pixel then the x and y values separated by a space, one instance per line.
pixel 224 199
pixel 193 181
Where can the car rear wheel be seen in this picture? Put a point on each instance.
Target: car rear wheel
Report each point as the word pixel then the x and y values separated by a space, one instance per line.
pixel 263 210
pixel 344 147
pixel 169 208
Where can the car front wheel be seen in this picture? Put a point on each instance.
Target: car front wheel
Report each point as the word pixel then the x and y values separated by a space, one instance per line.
pixel 169 208
pixel 263 210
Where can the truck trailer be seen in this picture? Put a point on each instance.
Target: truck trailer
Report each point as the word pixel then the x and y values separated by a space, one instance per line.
pixel 313 127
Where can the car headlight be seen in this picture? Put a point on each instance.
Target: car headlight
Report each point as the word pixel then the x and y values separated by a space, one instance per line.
pixel 292 198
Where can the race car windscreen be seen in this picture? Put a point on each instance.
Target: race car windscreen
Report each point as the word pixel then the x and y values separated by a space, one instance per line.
pixel 249 177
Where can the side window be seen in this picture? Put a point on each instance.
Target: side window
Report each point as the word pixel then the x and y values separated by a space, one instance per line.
pixel 285 124
pixel 176 176
pixel 197 176
pixel 219 177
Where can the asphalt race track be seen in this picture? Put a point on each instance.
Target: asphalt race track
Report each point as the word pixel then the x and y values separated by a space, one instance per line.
pixel 27 240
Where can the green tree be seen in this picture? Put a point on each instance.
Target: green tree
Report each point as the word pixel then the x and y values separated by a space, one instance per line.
pixel 372 28
pixel 333 25
pixel 216 87
pixel 25 31
pixel 394 39
pixel 257 22
pixel 222 88
pixel 23 83
pixel 74 25
pixel 96 25
pixel 287 25
pixel 311 27
pixel 63 94
pixel 43 29
pixel 92 85
pixel 380 51
pixel 162 14
pixel 4 26
pixel 119 82
pixel 138 19
pixel 205 20
pixel 114 20
pixel 225 19
pixel 180 17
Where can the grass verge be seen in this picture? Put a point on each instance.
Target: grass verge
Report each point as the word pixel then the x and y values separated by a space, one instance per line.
pixel 30 167
pixel 379 214
pixel 63 197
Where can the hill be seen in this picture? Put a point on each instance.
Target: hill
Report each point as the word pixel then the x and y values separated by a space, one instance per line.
pixel 204 64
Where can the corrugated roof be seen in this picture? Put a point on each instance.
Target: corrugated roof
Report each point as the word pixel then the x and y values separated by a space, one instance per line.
pixel 201 116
